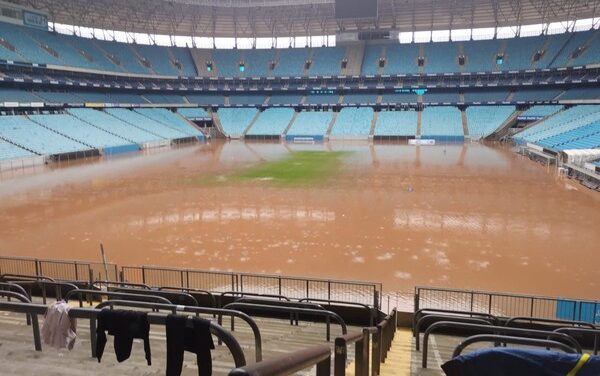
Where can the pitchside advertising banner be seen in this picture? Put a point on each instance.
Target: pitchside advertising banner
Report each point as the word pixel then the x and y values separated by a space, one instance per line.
pixel 36 20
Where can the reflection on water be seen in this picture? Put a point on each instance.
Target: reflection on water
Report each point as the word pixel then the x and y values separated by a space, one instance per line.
pixel 455 215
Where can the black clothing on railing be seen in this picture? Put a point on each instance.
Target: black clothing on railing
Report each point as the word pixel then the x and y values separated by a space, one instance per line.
pixel 124 326
pixel 188 334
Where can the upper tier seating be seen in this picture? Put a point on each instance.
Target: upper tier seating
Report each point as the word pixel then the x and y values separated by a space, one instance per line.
pixel 484 120
pixel 582 135
pixel 246 99
pixel 10 151
pixel 25 133
pixel 353 121
pixel 113 125
pixel 170 119
pixel 39 46
pixel 16 95
pixel 164 98
pixel 536 94
pixel 272 122
pixel 561 122
pixel 360 98
pixel 58 97
pixel 79 130
pixel 87 96
pixel 292 99
pixel 581 93
pixel 235 120
pixel 497 95
pixel 441 121
pixel 399 98
pixel 322 99
pixel 206 99
pixel 396 123
pixel 311 123
pixel 542 110
pixel 440 97
pixel 147 124
pixel 194 113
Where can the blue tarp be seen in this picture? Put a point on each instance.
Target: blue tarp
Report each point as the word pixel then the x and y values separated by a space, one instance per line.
pixel 578 311
pixel 502 361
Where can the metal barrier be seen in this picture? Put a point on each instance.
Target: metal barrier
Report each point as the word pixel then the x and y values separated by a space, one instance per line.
pixel 42 283
pixel 288 364
pixel 191 291
pixel 174 297
pixel 361 353
pixel 430 319
pixel 298 288
pixel 314 312
pixel 497 304
pixel 110 294
pixel 372 311
pixel 13 286
pixel 383 335
pixel 197 310
pixel 530 320
pixel 59 269
pixel 424 311
pixel 153 318
pixel 189 278
pixel 512 340
pixel 37 341
pixel 234 293
pixel 496 330
pixel 593 332
pixel 99 284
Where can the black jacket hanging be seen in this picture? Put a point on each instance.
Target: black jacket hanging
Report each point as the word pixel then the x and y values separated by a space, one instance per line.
pixel 124 326
pixel 188 334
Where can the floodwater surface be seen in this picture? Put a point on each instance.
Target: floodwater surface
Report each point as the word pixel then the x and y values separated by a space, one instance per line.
pixel 463 216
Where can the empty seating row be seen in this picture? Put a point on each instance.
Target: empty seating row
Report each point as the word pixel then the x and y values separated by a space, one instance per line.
pixel 353 122
pixel 235 120
pixel 484 120
pixel 396 123
pixel 560 122
pixel 272 122
pixel 311 123
pixel 443 121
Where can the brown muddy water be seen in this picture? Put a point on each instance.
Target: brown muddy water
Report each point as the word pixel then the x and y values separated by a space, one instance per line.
pixel 463 216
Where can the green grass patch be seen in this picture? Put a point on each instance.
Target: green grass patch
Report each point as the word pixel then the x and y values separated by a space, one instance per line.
pixel 299 168
pixel 296 169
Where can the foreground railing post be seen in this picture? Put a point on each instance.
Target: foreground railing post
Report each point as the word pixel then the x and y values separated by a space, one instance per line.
pixel 324 367
pixel 376 351
pixel 340 357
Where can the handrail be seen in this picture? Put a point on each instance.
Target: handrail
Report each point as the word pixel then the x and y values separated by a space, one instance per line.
pixel 273 308
pixel 120 284
pixel 58 285
pixel 26 277
pixel 242 294
pixel 179 308
pixel 35 325
pixel 111 294
pixel 190 290
pixel 531 320
pixel 423 312
pixel 512 340
pixel 288 364
pixel 153 318
pixel 182 296
pixel 434 318
pixel 20 288
pixel 372 311
pixel 282 303
pixel 594 332
pixel 495 330
pixel 361 353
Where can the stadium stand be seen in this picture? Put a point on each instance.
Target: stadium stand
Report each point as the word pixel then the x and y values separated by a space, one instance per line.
pixel 310 124
pixel 164 98
pixel 272 122
pixel 401 58
pixel 25 133
pixel 357 99
pixel 16 95
pixel 257 63
pixel 246 99
pixel 441 57
pixel 183 57
pixel 58 97
pixel 562 122
pixel 11 151
pixel 236 120
pixel 145 123
pixel 285 99
pixel 206 99
pixel 484 120
pixel 322 99
pixel 396 123
pixel 541 110
pixel 123 54
pixel 290 62
pixel 326 61
pixel 353 122
pixel 110 124
pixel 155 57
pixel 535 95
pixel 440 97
pixel 581 93
pixel 193 113
pixel 171 120
pixel 78 130
pixel 227 62
pixel 442 123
pixel 398 98
pixel 486 96
pixel 481 55
pixel 370 65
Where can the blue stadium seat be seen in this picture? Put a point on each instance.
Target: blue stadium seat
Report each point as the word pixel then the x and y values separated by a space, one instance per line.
pixel 235 120
pixel 353 121
pixel 310 124
pixel 272 122
pixel 443 122
pixel 484 120
pixel 396 123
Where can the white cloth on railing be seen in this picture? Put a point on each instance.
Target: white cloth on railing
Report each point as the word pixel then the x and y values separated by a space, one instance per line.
pixel 59 330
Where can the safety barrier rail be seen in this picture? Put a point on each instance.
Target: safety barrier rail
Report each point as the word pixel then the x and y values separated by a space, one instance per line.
pixel 515 332
pixel 288 364
pixel 175 297
pixel 31 318
pixel 328 315
pixel 430 319
pixel 153 318
pixel 110 294
pixel 59 269
pixel 582 331
pixel 505 305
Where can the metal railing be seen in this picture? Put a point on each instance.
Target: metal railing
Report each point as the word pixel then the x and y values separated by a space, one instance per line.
pixel 175 297
pixel 288 364
pixel 328 315
pixel 153 318
pixel 58 269
pixel 431 319
pixel 361 353
pixel 31 318
pixel 490 329
pixel 187 278
pixel 109 294
pixel 503 305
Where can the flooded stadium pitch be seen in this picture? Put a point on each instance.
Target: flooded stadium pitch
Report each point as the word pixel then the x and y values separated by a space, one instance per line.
pixel 464 216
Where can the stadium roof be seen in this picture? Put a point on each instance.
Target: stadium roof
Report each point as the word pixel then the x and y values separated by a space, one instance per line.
pixel 284 18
